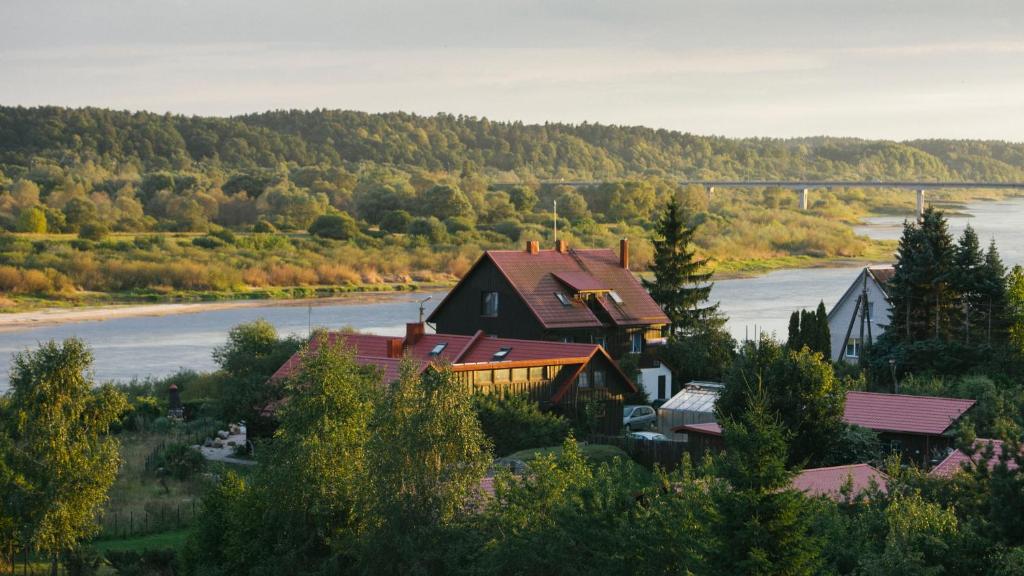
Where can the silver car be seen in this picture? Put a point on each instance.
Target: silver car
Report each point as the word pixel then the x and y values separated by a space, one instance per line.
pixel 638 417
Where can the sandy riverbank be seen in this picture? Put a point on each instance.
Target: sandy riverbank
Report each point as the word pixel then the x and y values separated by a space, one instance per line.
pixel 50 316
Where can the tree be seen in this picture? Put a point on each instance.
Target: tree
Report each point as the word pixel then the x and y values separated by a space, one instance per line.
pixel 425 457
pixel 763 523
pixel 795 336
pixel 1015 308
pixel 523 197
pixel 679 285
pixel 823 332
pixel 59 444
pixel 924 300
pixel 992 304
pixel 573 206
pixel 396 221
pixel 93 231
pixel 429 228
pixel 337 226
pixel 252 353
pixel 32 220
pixel 513 423
pixel 801 388
pixel 444 202
pixel 968 278
pixel 810 329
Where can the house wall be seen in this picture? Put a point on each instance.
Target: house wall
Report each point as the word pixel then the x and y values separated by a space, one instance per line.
pixel 460 313
pixel 648 380
pixel 917 449
pixel 839 318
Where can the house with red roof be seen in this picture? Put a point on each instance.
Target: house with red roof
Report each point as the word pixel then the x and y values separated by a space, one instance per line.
pixel 985 450
pixel 830 481
pixel 921 428
pixel 562 377
pixel 560 295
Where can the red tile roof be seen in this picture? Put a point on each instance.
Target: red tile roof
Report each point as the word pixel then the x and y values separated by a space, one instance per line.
pixel 462 352
pixel 829 481
pixel 580 281
pixel 957 459
pixel 903 413
pixel 533 276
pixel 709 428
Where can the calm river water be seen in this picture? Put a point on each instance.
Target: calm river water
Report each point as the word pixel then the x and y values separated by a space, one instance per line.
pixel 128 348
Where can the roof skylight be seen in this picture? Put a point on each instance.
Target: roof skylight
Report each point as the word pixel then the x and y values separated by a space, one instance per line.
pixel 502 353
pixel 436 350
pixel 615 296
pixel 563 299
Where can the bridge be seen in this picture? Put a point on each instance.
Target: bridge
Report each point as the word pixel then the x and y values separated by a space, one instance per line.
pixel 803 187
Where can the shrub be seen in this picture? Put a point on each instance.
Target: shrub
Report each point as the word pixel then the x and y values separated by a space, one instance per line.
pixel 338 226
pixel 180 461
pixel 456 224
pixel 93 231
pixel 515 422
pixel 430 228
pixel 208 242
pixel 264 227
pixel 148 563
pixel 396 222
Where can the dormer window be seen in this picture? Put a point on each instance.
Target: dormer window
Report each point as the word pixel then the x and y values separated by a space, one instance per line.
pixel 501 354
pixel 563 299
pixel 436 350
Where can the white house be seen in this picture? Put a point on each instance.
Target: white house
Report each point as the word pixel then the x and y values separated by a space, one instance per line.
pixel 870 320
pixel 656 380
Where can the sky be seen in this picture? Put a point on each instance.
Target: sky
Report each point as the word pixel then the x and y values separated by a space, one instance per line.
pixel 896 69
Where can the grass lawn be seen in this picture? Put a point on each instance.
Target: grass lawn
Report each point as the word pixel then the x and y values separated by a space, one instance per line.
pixel 173 539
pixel 595 453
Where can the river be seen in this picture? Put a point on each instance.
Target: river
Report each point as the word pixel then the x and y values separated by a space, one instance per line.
pixel 139 347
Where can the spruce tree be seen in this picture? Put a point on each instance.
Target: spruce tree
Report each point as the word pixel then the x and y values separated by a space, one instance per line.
pixel 763 525
pixel 681 283
pixel 992 297
pixel 824 335
pixel 924 301
pixel 807 328
pixel 967 280
pixel 794 342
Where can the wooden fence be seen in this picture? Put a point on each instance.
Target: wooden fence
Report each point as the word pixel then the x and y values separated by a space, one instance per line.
pixel 665 453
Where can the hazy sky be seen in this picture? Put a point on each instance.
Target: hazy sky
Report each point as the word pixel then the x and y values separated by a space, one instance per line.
pixel 893 69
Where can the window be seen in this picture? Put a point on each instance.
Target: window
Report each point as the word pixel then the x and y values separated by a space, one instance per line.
pixel 502 353
pixel 563 299
pixel 568 339
pixel 598 378
pixel 853 348
pixel 436 350
pixel 489 304
pixel 637 343
pixel 615 297
pixel 584 380
pixel 599 340
pixel 661 386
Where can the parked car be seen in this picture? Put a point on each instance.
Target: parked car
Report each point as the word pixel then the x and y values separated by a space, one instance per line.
pixel 638 417
pixel 655 436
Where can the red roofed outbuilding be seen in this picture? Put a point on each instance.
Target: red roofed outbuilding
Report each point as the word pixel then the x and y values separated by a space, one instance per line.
pixel 919 427
pixel 559 376
pixel 959 460
pixel 830 481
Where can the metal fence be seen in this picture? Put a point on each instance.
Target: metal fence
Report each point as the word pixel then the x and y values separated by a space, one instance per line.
pixel 155 519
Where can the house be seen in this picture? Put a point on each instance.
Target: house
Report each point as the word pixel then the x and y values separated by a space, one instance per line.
pixel 562 377
pixel 830 481
pixel 694 404
pixel 957 459
pixel 919 427
pixel 560 295
pixel 851 323
pixel 704 437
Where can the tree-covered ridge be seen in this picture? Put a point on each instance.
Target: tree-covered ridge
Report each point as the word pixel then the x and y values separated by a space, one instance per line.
pixel 505 150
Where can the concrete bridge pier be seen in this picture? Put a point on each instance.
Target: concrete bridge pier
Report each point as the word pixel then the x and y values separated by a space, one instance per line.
pixel 920 202
pixel 711 192
pixel 804 193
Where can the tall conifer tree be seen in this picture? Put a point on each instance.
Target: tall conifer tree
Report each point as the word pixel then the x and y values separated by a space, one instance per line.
pixel 681 282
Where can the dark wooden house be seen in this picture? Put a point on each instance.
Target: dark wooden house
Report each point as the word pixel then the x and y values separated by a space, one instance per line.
pixel 564 295
pixel 920 428
pixel 561 377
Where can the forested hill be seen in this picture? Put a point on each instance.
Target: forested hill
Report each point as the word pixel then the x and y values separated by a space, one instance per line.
pixel 461 144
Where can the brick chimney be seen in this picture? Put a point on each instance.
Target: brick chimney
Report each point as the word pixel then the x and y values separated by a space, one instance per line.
pixel 562 246
pixel 624 253
pixel 395 347
pixel 413 332
pixel 532 246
